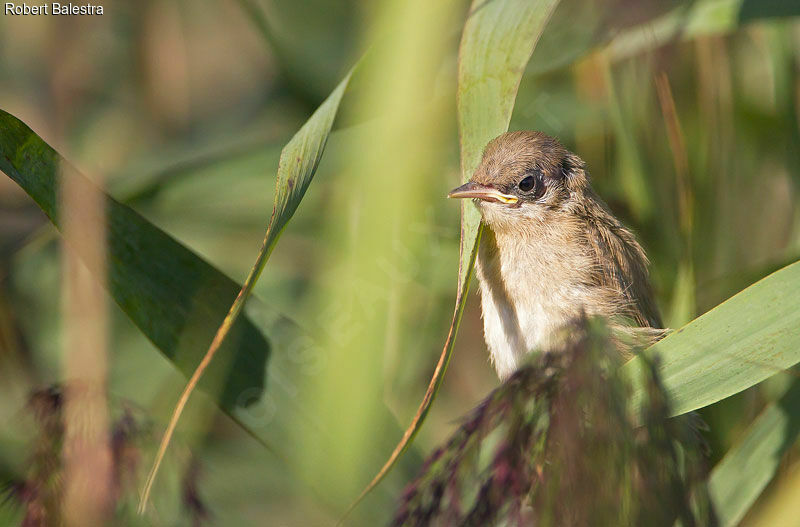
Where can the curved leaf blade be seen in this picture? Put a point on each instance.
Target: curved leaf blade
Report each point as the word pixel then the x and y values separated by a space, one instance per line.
pixel 736 345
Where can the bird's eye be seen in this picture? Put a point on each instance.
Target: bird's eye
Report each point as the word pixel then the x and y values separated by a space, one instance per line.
pixel 526 184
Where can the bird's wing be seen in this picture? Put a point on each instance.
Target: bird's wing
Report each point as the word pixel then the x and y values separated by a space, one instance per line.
pixel 624 266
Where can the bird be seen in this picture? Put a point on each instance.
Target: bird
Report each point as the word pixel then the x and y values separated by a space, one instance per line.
pixel 552 252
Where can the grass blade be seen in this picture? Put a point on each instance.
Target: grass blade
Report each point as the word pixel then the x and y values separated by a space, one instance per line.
pixel 298 163
pixel 744 472
pixel 746 339
pixel 498 39
pixel 736 345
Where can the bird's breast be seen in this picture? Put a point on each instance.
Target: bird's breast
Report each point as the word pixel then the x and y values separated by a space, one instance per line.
pixel 530 289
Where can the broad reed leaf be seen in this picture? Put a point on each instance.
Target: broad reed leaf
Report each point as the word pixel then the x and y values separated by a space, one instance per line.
pixel 498 39
pixel 298 163
pixel 746 339
pixel 744 472
pixel 736 345
pixel 172 295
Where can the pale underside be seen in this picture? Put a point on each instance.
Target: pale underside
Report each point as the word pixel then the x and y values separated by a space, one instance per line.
pixel 532 289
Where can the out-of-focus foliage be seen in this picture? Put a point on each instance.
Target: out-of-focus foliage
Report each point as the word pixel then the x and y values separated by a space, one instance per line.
pixel 185 108
pixel 39 490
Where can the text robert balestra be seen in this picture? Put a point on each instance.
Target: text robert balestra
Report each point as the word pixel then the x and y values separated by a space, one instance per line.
pixel 52 9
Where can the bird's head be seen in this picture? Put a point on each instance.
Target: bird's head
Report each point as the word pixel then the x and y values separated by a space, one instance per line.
pixel 523 176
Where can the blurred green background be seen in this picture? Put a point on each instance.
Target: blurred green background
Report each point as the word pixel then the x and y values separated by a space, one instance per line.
pixel 181 109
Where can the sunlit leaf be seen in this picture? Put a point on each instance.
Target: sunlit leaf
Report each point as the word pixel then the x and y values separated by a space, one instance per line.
pixel 738 344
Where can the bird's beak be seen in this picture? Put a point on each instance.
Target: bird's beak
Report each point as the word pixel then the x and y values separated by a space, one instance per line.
pixel 484 192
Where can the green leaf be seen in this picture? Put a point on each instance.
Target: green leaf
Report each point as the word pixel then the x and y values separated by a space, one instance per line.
pixel 498 39
pixel 299 160
pixel 173 296
pixel 746 469
pixel 738 344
